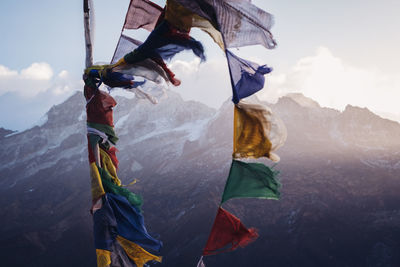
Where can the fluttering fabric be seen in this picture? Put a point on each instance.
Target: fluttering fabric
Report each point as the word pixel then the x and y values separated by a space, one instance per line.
pixel 251 180
pixel 164 42
pixel 106 129
pixel 146 61
pixel 148 68
pixel 118 217
pixel 119 79
pixel 113 224
pixel 109 166
pixel 247 77
pixel 169 37
pixel 104 226
pixel 119 230
pixel 111 152
pixel 103 137
pixel 115 258
pixel 137 253
pixel 257 132
pixel 111 78
pixel 125 45
pixel 97 188
pixel 142 14
pixel 104 178
pixel 184 18
pixel 240 22
pixel 103 258
pixel 112 187
pixel 227 234
pixel 99 106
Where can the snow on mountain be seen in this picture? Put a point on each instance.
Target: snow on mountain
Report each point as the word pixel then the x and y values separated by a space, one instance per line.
pixel 5 132
pixel 340 175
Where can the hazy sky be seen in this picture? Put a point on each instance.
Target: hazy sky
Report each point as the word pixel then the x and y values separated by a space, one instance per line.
pixel 336 52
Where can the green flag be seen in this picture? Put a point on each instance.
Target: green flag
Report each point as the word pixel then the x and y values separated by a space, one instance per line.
pixel 251 180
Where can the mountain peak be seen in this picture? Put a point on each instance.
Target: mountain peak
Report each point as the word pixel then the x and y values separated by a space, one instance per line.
pixel 303 101
pixel 355 109
pixel 359 113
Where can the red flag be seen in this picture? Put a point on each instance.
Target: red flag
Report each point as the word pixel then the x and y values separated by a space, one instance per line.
pixel 228 230
pixel 99 106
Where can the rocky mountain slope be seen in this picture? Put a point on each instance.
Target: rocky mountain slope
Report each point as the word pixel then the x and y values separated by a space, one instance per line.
pixel 340 173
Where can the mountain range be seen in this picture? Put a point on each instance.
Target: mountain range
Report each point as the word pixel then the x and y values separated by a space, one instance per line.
pixel 339 201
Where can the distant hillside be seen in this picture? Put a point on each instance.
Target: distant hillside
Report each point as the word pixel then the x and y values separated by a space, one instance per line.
pixel 340 173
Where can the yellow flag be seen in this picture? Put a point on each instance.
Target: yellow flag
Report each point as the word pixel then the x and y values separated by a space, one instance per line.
pixel 184 19
pixel 103 258
pixel 108 165
pixel 257 132
pixel 136 252
pixel 97 186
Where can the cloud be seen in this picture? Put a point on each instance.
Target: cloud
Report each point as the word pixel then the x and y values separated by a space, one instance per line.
pixel 6 72
pixel 206 82
pixel 28 94
pixel 35 79
pixel 37 71
pixel 334 83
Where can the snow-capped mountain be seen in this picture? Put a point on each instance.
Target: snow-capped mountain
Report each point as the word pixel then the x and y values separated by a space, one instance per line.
pixel 340 173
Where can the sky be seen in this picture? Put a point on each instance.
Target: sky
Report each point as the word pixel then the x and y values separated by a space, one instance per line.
pixel 336 52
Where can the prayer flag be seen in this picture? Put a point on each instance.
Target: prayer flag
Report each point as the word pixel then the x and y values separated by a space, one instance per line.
pixel 110 186
pixel 165 41
pixel 142 14
pixel 137 253
pixel 96 184
pixel 227 234
pixel 240 22
pixel 125 45
pixel 119 230
pixel 106 129
pixel 184 19
pixel 147 68
pixel 247 180
pixel 118 217
pixel 114 223
pixel 246 77
pixel 108 165
pixel 99 105
pixel 256 132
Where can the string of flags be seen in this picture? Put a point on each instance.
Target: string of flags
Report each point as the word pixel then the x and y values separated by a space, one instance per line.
pixel 121 238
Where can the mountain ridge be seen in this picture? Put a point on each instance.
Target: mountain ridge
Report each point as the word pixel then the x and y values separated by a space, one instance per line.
pixel 180 152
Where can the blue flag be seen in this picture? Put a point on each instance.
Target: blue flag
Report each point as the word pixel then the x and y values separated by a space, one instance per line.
pixel 246 77
pixel 164 42
pixel 118 217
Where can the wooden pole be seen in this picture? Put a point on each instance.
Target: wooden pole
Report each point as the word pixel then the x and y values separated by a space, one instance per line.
pixel 89 57
pixel 88 41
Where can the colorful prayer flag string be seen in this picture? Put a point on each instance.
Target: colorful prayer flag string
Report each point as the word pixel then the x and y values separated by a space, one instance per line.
pixel 118 223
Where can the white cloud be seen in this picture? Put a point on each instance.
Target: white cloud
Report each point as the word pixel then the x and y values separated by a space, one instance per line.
pixel 37 71
pixel 6 72
pixel 35 79
pixel 28 94
pixel 206 82
pixel 64 84
pixel 334 83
